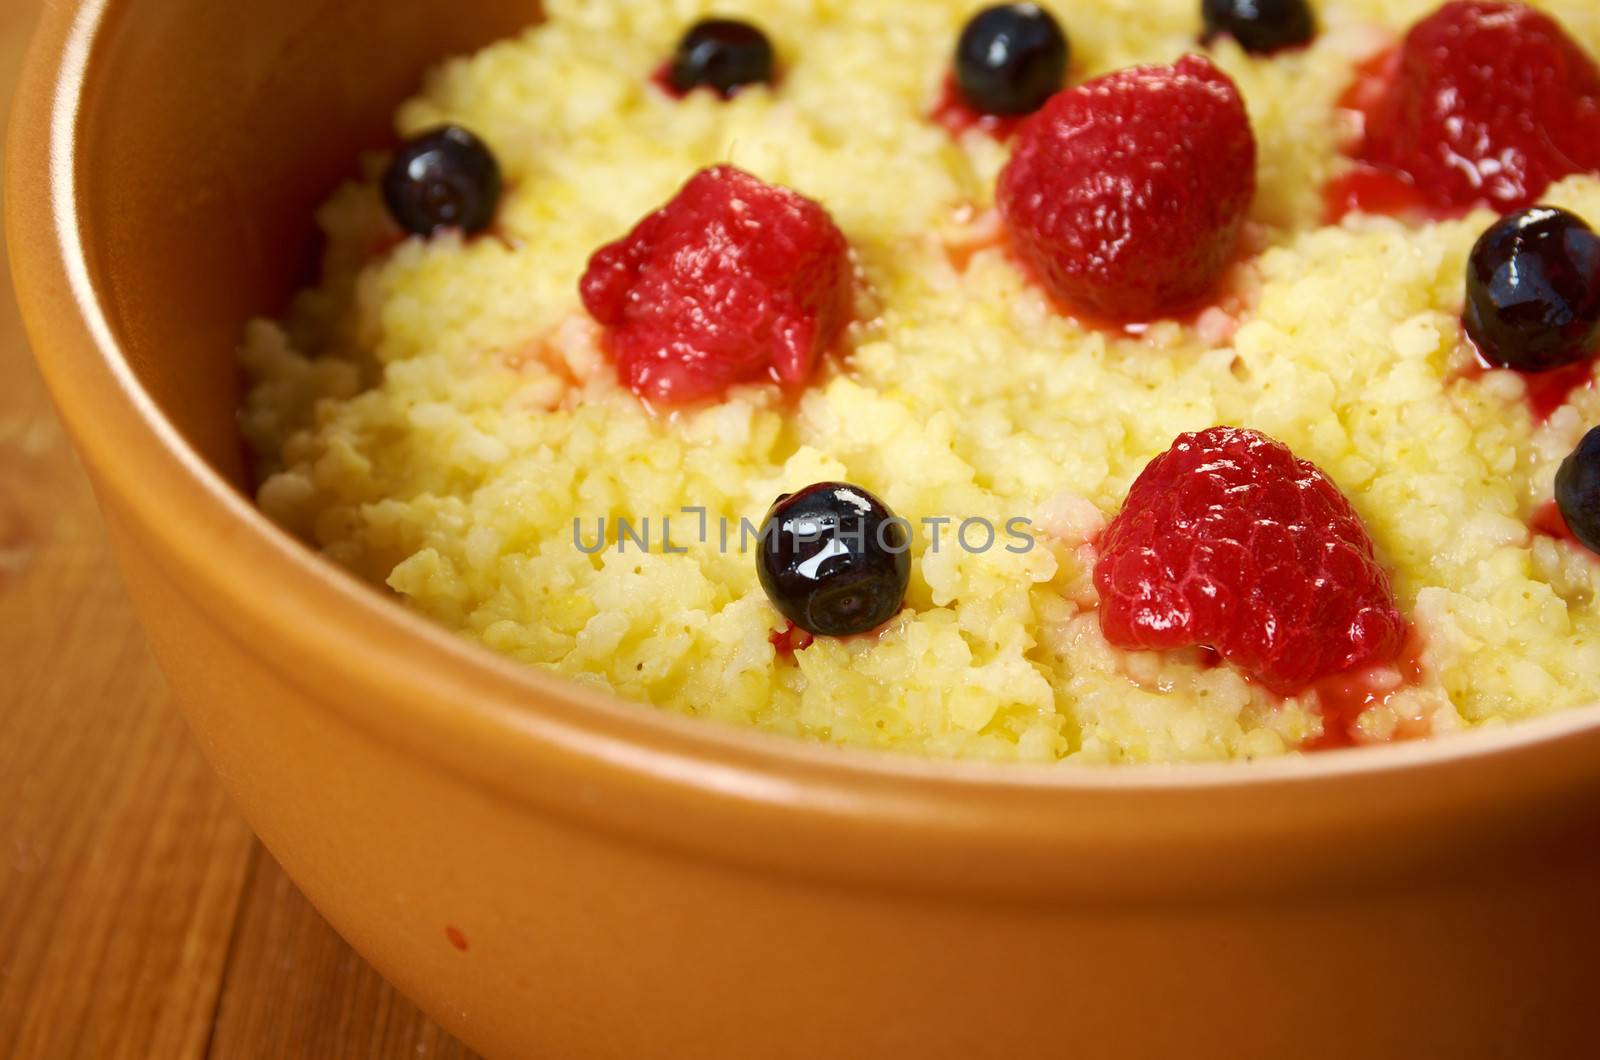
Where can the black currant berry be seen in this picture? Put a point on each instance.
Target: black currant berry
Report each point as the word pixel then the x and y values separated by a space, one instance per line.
pixel 834 560
pixel 447 178
pixel 1533 291
pixel 722 54
pixel 1578 491
pixel 1260 26
pixel 1010 59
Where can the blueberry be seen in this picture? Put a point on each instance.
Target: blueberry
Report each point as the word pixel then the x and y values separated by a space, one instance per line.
pixel 1260 26
pixel 447 178
pixel 834 560
pixel 723 54
pixel 1533 291
pixel 1578 491
pixel 1010 59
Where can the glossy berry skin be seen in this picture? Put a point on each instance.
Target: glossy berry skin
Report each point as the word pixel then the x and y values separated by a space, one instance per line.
pixel 1578 491
pixel 1230 541
pixel 1260 26
pixel 834 560
pixel 734 280
pixel 1010 59
pixel 447 178
pixel 721 54
pixel 1533 291
pixel 1491 103
pixel 1125 195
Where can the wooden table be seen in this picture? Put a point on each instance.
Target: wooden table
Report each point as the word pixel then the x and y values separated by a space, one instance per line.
pixel 138 915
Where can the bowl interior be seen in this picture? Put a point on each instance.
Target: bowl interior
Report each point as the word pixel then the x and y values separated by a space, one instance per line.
pixel 197 140
pixel 238 119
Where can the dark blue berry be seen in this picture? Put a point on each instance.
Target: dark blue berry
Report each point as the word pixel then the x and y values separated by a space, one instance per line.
pixel 1533 291
pixel 447 178
pixel 1260 26
pixel 1010 59
pixel 1578 491
pixel 834 560
pixel 722 54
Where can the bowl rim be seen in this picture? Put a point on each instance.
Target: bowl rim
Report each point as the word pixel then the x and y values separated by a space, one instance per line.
pixel 436 692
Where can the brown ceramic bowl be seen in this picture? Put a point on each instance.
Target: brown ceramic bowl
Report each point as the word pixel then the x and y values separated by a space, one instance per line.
pixel 554 874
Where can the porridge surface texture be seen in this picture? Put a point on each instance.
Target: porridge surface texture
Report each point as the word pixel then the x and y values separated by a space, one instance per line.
pixel 437 414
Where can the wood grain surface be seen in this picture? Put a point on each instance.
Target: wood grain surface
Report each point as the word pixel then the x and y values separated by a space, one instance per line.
pixel 138 915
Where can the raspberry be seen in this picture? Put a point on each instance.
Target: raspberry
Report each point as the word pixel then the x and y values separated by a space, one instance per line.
pixel 1491 103
pixel 734 280
pixel 1125 195
pixel 1228 540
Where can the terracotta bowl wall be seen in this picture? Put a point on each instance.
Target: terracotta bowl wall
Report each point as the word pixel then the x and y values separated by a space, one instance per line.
pixel 215 130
